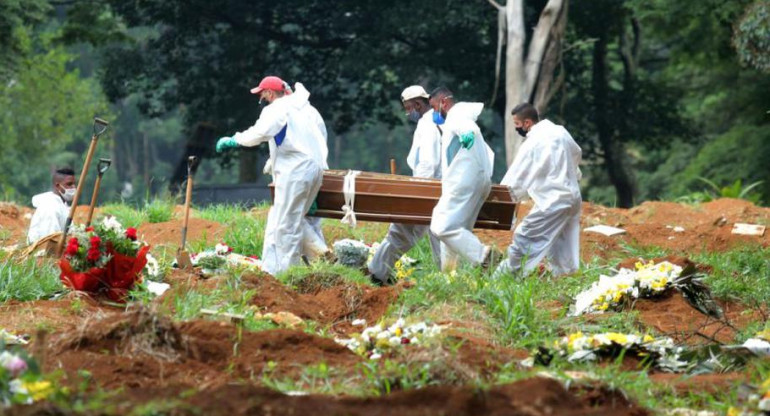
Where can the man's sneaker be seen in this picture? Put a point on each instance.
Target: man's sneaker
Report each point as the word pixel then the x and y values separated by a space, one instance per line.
pixel 377 282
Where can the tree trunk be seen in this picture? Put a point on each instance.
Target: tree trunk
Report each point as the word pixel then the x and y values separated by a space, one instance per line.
pixel 514 73
pixel 612 147
pixel 525 78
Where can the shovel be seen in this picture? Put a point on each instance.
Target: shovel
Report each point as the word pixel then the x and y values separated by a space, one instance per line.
pixel 100 126
pixel 101 167
pixel 182 256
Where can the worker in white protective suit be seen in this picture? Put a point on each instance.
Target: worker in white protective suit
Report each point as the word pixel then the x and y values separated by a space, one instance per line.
pixel 425 161
pixel 546 170
pixel 52 208
pixel 467 163
pixel 297 139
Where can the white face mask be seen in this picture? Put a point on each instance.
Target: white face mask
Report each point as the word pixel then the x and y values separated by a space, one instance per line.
pixel 69 194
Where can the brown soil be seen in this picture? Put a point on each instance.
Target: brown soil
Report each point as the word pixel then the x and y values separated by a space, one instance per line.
pixel 14 221
pixel 337 305
pixel 530 397
pixel 60 315
pixel 707 227
pixel 672 316
pixel 140 349
pixel 699 384
pixel 170 232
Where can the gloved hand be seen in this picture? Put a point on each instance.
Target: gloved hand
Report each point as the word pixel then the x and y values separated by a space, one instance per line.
pixel 226 143
pixel 268 169
pixel 467 139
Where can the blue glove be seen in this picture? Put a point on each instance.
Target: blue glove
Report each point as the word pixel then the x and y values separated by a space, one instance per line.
pixel 467 139
pixel 226 143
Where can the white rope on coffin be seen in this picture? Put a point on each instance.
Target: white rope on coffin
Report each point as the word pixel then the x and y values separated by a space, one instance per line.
pixel 349 190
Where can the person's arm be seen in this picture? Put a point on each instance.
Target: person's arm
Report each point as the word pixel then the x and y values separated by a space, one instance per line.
pixel 270 122
pixel 522 173
pixel 429 142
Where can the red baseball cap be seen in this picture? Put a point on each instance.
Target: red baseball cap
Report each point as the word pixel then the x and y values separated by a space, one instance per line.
pixel 271 83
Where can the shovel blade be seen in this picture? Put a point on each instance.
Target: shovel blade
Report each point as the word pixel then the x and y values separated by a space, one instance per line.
pixel 183 260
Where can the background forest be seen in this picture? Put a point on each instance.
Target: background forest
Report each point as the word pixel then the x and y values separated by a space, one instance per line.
pixel 669 100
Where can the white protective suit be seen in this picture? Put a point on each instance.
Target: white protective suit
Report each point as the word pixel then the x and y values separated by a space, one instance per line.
pixel 296 135
pixel 425 160
pixel 465 184
pixel 546 169
pixel 50 215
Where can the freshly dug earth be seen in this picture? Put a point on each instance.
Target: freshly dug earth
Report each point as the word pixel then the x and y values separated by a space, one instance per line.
pixel 141 349
pixel 61 315
pixel 532 397
pixel 14 223
pixel 672 316
pixel 707 227
pixel 170 232
pixel 336 305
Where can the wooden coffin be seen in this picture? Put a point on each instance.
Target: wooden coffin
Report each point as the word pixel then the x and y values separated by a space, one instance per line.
pixel 403 199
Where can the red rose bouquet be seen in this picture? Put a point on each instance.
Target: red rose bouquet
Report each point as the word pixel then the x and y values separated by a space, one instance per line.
pixel 115 255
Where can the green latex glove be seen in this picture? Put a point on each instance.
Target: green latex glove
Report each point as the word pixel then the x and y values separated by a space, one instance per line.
pixel 226 143
pixel 467 139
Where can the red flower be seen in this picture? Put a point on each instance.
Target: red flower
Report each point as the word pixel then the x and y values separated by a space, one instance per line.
pixel 254 257
pixel 72 249
pixel 405 340
pixel 89 229
pixel 73 241
pixel 131 233
pixel 93 254
pixel 95 241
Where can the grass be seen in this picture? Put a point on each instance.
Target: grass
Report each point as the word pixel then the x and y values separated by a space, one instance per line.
pixel 522 312
pixel 26 280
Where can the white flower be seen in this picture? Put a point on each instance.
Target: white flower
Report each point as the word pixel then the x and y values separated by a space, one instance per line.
pixel 222 249
pixel 152 269
pixel 358 322
pixel 375 356
pixel 394 341
pixel 111 223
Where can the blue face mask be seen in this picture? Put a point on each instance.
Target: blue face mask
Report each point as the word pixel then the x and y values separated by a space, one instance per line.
pixel 438 118
pixel 413 116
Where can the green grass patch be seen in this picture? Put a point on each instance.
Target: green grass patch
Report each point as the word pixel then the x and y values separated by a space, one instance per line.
pixel 27 280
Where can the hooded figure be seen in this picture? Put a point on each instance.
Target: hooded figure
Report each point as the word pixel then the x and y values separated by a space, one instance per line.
pixel 296 135
pixel 467 163
pixel 52 208
pixel 425 161
pixel 546 170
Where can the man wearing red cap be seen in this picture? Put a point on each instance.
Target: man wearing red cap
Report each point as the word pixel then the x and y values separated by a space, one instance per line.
pixel 296 136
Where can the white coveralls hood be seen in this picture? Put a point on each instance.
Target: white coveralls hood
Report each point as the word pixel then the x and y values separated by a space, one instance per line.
pixel 546 169
pixel 296 135
pixel 425 161
pixel 50 216
pixel 466 182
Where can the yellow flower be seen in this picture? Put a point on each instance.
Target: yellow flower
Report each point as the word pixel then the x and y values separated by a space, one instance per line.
pixel 732 411
pixel 648 338
pixel 639 265
pixel 765 387
pixel 38 390
pixel 398 332
pixel 617 338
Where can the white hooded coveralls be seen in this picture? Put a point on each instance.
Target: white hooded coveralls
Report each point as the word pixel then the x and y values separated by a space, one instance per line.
pixel 546 169
pixel 296 135
pixel 425 161
pixel 465 185
pixel 50 215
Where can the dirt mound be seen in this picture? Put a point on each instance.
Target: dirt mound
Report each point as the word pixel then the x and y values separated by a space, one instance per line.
pixel 336 305
pixel 680 261
pixel 672 316
pixel 705 227
pixel 62 314
pixel 170 232
pixel 533 397
pixel 140 349
pixel 14 222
